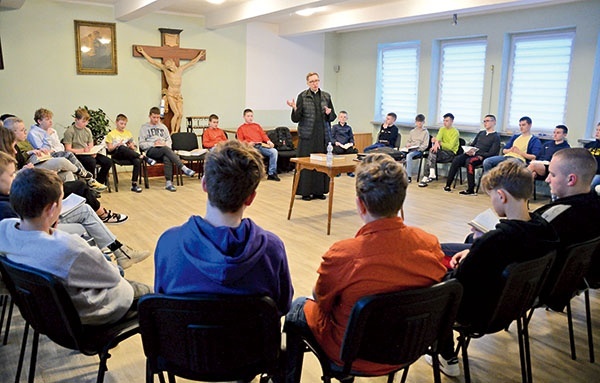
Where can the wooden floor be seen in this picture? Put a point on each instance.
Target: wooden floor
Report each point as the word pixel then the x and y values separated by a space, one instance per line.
pixel 494 358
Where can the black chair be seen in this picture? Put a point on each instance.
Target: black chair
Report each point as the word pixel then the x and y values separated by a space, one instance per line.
pixel 285 150
pixel 394 328
pixel 46 306
pixel 143 172
pixel 522 283
pixel 461 143
pixel 423 157
pixel 565 281
pixel 7 304
pixel 187 141
pixel 535 180
pixel 209 337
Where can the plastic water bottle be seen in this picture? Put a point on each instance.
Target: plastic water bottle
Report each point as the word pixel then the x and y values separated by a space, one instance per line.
pixel 329 157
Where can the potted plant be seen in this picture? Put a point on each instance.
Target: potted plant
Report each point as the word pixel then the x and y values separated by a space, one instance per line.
pixel 98 124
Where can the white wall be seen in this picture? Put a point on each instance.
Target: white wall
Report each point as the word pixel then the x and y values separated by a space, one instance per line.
pixel 357 54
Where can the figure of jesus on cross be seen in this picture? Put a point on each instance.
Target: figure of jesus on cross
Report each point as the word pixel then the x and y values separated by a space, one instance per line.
pixel 171 53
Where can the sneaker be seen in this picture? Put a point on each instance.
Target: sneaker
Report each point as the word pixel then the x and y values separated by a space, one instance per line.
pixel 150 161
pixel 96 185
pixel 188 172
pixel 111 217
pixel 318 196
pixel 171 188
pixel 409 179
pixel 273 177
pixel 338 175
pixel 447 189
pixel 447 367
pixel 350 174
pixel 85 175
pixel 136 188
pixel 467 192
pixel 126 256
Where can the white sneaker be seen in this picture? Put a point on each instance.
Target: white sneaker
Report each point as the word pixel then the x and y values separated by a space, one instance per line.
pixel 448 367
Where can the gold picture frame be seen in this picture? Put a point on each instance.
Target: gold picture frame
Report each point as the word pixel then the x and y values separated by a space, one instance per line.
pixel 96 47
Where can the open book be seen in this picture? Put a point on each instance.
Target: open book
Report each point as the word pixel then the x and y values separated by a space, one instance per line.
pixel 71 202
pixel 466 148
pixel 195 152
pixel 95 149
pixel 485 221
pixel 347 145
pixel 541 162
pixel 39 159
pixel 409 149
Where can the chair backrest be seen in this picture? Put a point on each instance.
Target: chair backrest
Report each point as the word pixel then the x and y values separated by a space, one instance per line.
pixel 210 337
pixel 523 282
pixel 397 328
pixel 43 302
pixel 566 278
pixel 398 141
pixel 184 141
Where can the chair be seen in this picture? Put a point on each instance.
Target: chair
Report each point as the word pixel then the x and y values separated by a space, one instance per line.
pixel 537 178
pixel 7 304
pixel 283 156
pixel 46 306
pixel 209 337
pixel 522 283
pixel 187 141
pixel 461 143
pixel 423 157
pixel 565 281
pixel 143 172
pixel 394 328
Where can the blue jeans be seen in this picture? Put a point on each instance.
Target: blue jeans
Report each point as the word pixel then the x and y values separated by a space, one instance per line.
pixel 492 162
pixel 271 153
pixel 409 161
pixel 374 146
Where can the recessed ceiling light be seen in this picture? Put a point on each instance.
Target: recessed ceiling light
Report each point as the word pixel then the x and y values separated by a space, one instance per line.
pixel 310 11
pixel 215 1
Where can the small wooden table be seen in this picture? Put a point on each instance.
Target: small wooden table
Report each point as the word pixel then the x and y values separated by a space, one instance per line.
pixel 341 165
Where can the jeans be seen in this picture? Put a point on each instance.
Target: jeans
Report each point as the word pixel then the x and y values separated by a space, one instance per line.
pixel 295 328
pixel 62 166
pixel 415 154
pixel 441 156
pixel 491 162
pixel 374 146
pixel 165 155
pixel 271 153
pixel 85 216
pixel 71 158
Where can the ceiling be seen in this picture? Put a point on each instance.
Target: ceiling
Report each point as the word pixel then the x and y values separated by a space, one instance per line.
pixel 335 15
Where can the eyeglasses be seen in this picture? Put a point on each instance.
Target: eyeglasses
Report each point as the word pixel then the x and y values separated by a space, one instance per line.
pixel 487 121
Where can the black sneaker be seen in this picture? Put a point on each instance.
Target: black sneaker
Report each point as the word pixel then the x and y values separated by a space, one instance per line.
pixel 150 161
pixel 447 189
pixel 273 177
pixel 136 188
pixel 319 196
pixel 350 174
pixel 467 192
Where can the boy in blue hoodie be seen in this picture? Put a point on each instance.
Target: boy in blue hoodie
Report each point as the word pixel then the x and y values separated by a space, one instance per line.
pixel 223 252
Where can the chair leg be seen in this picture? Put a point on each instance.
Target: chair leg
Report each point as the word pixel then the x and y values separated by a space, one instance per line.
pixel 144 173
pixel 404 375
pixel 22 353
pixel 571 336
pixel 588 318
pixel 33 361
pixel 437 377
pixel 8 320
pixel 463 343
pixel 171 378
pixel 524 351
pixel 115 177
pixel 102 368
pixel 390 378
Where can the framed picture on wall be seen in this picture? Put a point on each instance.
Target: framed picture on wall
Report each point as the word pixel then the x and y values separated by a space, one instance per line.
pixel 96 47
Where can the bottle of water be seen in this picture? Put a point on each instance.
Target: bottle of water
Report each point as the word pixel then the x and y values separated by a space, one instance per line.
pixel 329 157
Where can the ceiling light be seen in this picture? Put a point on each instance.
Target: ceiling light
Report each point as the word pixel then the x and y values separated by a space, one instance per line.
pixel 215 1
pixel 306 12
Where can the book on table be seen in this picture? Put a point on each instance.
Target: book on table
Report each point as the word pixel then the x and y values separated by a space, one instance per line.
pixel 485 221
pixel 323 157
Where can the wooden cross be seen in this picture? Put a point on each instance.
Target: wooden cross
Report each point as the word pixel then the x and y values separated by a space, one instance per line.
pixel 169 50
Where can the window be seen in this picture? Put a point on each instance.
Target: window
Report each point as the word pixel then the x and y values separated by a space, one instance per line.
pixel 462 72
pixel 538 78
pixel 397 79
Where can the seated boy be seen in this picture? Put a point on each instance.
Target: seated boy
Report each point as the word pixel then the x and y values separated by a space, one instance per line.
pixel 252 133
pixel 223 252
pixel 388 133
pixel 342 137
pixel 155 141
pixel 419 137
pixel 520 236
pixel 99 293
pixel 78 139
pixel 213 135
pixel 539 166
pixel 42 137
pixel 82 215
pixel 120 146
pixel 384 256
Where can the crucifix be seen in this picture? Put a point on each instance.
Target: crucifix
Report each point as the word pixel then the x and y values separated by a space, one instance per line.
pixel 170 53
